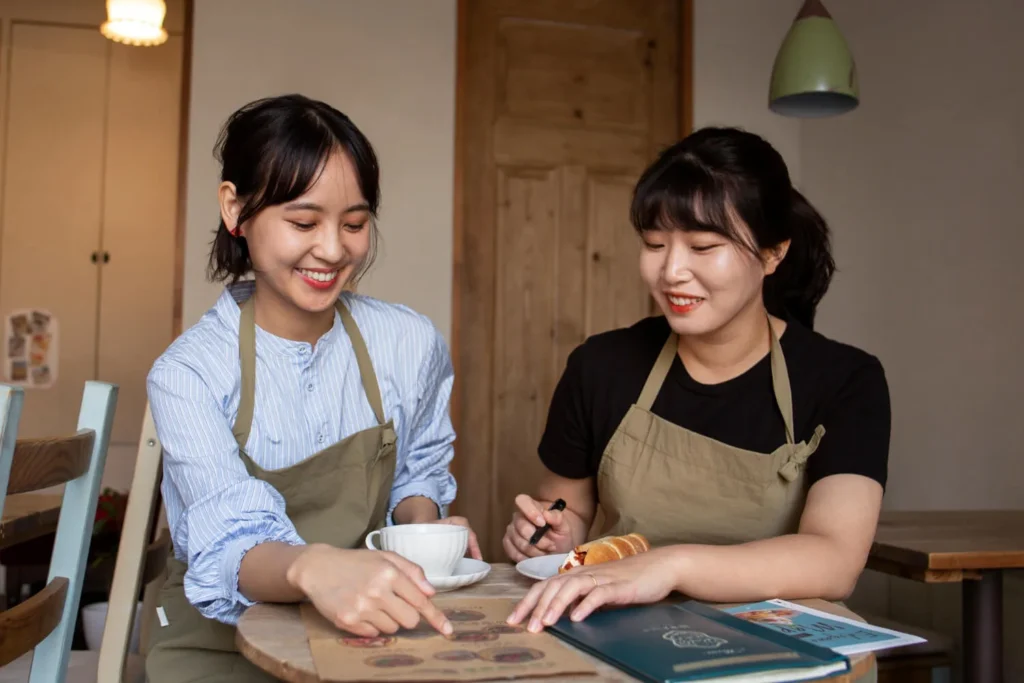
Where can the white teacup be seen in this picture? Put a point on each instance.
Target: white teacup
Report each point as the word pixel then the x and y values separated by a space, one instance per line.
pixel 437 548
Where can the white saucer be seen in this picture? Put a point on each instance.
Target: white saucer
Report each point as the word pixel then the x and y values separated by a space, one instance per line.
pixel 543 567
pixel 467 572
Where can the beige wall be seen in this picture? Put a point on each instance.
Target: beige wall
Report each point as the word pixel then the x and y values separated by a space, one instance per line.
pixel 389 65
pixel 921 185
pixel 734 44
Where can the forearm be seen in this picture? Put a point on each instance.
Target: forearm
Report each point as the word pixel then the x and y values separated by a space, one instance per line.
pixel 789 567
pixel 580 526
pixel 416 510
pixel 264 573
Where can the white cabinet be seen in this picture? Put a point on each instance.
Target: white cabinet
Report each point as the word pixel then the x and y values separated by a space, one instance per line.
pixel 89 198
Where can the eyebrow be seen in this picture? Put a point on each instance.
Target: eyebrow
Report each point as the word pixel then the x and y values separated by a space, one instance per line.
pixel 313 206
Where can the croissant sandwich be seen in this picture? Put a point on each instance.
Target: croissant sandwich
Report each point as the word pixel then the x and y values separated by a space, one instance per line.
pixel 605 550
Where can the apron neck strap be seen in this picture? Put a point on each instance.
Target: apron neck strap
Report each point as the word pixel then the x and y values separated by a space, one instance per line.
pixel 780 378
pixel 780 383
pixel 366 373
pixel 247 357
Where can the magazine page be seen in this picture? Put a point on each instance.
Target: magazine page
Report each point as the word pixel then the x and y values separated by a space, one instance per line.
pixel 845 636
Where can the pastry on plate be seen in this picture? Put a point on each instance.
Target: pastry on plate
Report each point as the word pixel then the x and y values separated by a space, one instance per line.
pixel 605 550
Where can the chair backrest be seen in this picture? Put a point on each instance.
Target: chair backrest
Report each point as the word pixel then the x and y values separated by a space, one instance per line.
pixel 138 559
pixel 46 621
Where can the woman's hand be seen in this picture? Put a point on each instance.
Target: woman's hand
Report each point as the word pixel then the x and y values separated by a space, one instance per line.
pixel 644 578
pixel 366 592
pixel 529 516
pixel 474 544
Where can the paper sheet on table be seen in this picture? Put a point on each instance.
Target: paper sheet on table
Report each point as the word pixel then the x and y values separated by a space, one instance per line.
pixel 483 647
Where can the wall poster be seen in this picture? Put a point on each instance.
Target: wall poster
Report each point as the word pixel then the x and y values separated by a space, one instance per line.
pixel 31 349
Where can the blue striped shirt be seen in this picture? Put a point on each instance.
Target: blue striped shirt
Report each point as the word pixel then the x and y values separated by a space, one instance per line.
pixel 307 398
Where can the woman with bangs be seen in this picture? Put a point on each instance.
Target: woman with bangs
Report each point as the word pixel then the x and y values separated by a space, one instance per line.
pixel 296 416
pixel 750 450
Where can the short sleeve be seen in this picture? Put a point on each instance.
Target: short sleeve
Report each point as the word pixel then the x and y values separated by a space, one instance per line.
pixel 857 428
pixel 567 445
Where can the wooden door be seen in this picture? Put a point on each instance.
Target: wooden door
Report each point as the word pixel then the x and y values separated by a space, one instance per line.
pixel 561 106
pixel 52 208
pixel 90 168
pixel 139 214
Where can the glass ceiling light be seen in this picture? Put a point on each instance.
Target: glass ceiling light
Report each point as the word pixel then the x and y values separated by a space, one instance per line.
pixel 135 22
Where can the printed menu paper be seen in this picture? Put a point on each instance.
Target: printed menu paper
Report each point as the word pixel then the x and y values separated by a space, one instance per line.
pixel 842 635
pixel 483 647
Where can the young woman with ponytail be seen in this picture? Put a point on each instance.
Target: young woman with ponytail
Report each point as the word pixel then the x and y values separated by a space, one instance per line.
pixel 750 450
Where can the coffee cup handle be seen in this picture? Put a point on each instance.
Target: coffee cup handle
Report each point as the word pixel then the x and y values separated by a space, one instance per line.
pixel 369 539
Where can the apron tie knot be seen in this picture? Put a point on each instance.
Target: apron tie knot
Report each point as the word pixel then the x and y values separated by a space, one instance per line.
pixel 790 470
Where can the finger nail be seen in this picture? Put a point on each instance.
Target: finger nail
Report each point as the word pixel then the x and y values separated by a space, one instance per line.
pixel 534 625
pixel 446 628
pixel 550 618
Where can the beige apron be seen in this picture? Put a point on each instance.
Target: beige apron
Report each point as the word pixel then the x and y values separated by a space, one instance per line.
pixel 676 486
pixel 336 496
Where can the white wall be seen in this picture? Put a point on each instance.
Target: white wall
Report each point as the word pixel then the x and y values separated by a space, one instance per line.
pixel 734 45
pixel 390 66
pixel 922 186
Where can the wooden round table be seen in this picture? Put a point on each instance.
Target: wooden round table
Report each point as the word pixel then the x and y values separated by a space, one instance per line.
pixel 273 637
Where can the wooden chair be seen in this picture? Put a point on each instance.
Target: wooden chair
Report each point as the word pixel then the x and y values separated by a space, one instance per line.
pixel 45 623
pixel 137 559
pixel 140 563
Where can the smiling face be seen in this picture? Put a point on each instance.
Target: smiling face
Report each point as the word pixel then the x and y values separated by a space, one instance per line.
pixel 306 250
pixel 702 280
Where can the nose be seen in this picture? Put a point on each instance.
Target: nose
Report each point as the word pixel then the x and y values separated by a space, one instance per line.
pixel 677 267
pixel 330 244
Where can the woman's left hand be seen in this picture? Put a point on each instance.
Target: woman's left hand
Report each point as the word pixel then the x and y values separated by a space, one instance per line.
pixel 640 579
pixel 474 544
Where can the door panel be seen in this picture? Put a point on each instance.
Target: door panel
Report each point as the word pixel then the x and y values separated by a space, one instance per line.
pixel 139 214
pixel 562 105
pixel 52 205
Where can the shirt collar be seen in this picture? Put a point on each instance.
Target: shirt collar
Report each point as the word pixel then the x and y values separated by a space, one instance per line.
pixel 228 311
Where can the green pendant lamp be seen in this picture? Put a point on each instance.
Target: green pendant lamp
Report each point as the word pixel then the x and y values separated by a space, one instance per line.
pixel 814 74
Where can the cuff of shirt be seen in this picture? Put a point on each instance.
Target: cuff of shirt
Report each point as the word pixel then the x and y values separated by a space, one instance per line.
pixel 426 488
pixel 234 551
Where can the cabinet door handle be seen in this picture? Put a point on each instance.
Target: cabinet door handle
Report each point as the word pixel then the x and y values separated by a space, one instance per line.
pixel 106 257
pixel 95 257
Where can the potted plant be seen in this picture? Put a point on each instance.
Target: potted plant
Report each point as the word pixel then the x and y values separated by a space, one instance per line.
pixel 106 536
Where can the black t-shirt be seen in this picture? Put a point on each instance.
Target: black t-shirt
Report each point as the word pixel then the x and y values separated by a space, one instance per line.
pixel 833 384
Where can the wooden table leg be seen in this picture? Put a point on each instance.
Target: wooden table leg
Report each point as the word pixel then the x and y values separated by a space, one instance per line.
pixel 983 628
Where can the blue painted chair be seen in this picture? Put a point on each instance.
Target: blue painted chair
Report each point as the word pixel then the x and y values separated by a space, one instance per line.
pixel 45 623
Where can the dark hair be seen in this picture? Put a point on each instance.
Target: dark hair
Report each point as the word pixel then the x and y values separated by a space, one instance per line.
pixel 273 150
pixel 699 181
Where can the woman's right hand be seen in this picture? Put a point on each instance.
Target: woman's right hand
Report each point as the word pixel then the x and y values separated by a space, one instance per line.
pixel 366 592
pixel 529 516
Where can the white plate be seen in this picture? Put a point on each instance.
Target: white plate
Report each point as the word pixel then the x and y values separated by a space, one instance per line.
pixel 543 567
pixel 467 572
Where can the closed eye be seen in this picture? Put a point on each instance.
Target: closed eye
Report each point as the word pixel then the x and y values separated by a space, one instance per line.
pixel 303 226
pixel 705 247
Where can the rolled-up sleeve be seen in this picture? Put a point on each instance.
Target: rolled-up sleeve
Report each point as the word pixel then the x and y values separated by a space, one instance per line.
pixel 226 512
pixel 425 457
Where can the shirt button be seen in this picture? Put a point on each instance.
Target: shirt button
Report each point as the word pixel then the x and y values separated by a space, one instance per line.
pixel 320 438
pixel 309 386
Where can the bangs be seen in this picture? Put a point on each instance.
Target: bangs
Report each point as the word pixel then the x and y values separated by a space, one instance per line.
pixel 684 196
pixel 295 166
